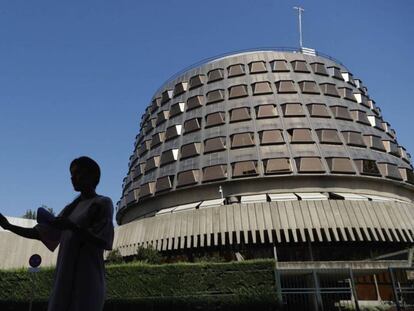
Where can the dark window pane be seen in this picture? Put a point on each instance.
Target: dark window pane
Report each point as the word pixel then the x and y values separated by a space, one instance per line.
pixel 335 72
pixel 360 116
pixel 257 67
pixel 192 125
pixel 328 136
pixel 319 69
pixel 244 169
pixel 374 142
pixel 238 91
pixel 367 167
pixel 242 140
pixel 152 163
pixel 271 137
pixel 309 165
pixel 389 170
pixel 186 178
pixel 190 150
pixel 163 183
pixel 318 110
pixel 300 66
pixel 407 174
pixel 277 166
pixel 194 102
pixel 166 96
pixel 180 88
pixel 354 139
pixel 240 114
pixel 214 119
pixel 262 88
pixel 157 139
pixel 145 146
pixel 235 70
pixel 173 131
pixel 340 165
pixel 162 116
pixel 197 81
pixel 215 75
pixel 347 93
pixel 216 172
pixel 176 109
pixel 214 144
pixel 215 96
pixel 293 110
pixel 391 147
pixel 300 136
pixel 169 156
pixel 285 86
pixel 279 65
pixel 341 112
pixel 329 89
pixel 147 189
pixel 156 103
pixel 266 111
pixel 309 87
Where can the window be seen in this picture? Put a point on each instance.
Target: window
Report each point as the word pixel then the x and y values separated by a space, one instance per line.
pixel 197 81
pixel 318 110
pixel 214 119
pixel 214 144
pixel 145 146
pixel 348 77
pixel 389 170
pixel 139 170
pixel 277 166
pixel 391 147
pixel 266 111
pixel 173 131
pixel 362 99
pixel 190 150
pixel 216 172
pixel 169 156
pixel 257 67
pixel 162 116
pixel 328 136
pixel 319 69
pixel 335 72
pixel 293 110
pixel 340 165
pixel 329 89
pixel 374 142
pixel 285 86
pixel 279 65
pixel 360 116
pixel 194 102
pixel 309 165
pixel 186 178
pixel 164 183
pixel 157 139
pixel 152 163
pixel 215 96
pixel 176 109
pixel 147 189
pixel 340 112
pixel 192 125
pixel 242 140
pixel 166 96
pixel 262 88
pixel 244 168
pixel 180 88
pixel 271 137
pixel 215 75
pixel 149 126
pixel 309 87
pixel 240 114
pixel 300 136
pixel 376 122
pixel 300 66
pixel 407 174
pixel 156 103
pixel 238 91
pixel 347 93
pixel 354 139
pixel 235 70
pixel 367 167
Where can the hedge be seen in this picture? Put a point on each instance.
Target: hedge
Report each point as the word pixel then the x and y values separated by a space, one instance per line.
pixel 202 286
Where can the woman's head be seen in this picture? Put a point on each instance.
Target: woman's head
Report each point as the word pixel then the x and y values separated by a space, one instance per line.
pixel 85 173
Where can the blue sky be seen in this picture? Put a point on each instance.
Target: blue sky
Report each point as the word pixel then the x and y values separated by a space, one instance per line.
pixel 76 75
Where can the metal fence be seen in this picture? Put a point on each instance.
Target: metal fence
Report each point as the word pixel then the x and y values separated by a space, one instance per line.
pixel 346 289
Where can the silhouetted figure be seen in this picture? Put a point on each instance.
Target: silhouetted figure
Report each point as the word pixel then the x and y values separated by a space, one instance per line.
pixel 83 230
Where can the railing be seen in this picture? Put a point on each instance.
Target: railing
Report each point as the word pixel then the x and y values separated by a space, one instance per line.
pixel 265 49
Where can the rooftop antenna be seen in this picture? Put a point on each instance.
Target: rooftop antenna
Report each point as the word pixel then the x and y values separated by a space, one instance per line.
pixel 300 10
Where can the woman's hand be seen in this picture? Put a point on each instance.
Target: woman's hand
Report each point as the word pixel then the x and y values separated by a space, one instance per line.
pixel 4 223
pixel 63 223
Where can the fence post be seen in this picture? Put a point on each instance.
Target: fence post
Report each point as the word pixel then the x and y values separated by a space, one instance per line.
pixel 317 290
pixel 394 289
pixel 353 288
pixel 278 282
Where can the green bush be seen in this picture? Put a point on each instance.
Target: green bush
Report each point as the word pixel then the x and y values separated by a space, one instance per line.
pixel 182 286
pixel 114 257
pixel 148 255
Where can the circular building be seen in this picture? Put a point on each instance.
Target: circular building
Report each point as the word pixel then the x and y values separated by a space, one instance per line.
pixel 267 148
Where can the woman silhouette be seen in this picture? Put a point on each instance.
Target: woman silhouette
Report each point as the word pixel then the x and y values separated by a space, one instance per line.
pixel 83 230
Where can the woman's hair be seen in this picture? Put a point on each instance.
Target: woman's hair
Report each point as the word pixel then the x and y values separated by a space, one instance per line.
pixel 89 166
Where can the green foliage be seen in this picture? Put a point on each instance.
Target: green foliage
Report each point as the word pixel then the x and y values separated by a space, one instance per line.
pixel 148 254
pixel 169 286
pixel 31 214
pixel 114 257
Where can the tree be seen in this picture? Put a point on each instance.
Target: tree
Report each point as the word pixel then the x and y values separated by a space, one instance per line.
pixel 31 214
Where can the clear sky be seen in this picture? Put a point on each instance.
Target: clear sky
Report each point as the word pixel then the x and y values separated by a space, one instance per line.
pixel 76 75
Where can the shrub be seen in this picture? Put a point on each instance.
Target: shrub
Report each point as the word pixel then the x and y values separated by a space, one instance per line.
pixel 148 254
pixel 114 257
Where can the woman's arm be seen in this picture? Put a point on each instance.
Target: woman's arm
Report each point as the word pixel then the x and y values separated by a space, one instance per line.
pixel 30 233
